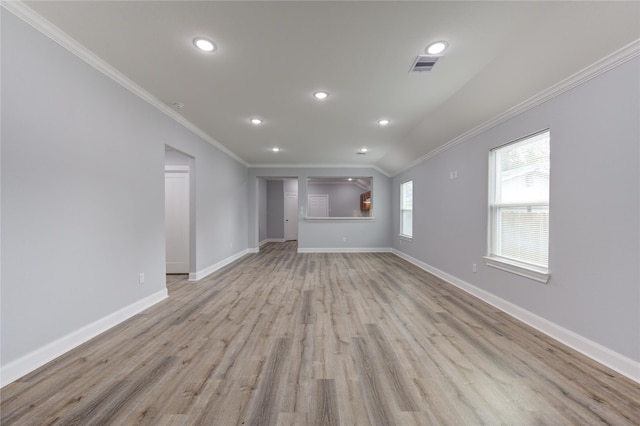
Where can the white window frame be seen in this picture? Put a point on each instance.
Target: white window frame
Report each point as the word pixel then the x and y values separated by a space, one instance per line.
pixel 402 210
pixel 534 272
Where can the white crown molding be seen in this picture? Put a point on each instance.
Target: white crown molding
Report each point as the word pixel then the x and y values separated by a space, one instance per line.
pixel 605 356
pixel 22 11
pixel 605 64
pixel 28 15
pixel 320 166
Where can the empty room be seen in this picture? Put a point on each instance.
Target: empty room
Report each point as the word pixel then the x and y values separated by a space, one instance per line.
pixel 320 213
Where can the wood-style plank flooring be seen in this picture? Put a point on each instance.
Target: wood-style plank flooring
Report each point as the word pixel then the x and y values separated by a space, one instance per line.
pixel 280 338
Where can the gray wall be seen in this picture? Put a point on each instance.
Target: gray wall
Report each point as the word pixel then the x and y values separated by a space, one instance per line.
pixel 369 234
pixel 83 202
pixel 290 185
pixel 83 193
pixel 275 209
pixel 594 244
pixel 175 158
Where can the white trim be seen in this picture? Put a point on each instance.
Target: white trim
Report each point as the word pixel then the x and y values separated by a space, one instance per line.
pixel 37 358
pixel 292 235
pixel 540 275
pixel 346 250
pixel 24 12
pixel 402 210
pixel 605 356
pixel 176 169
pixel 253 250
pixel 272 240
pixel 316 219
pixel 599 67
pixel 197 276
pixel 405 237
pixel 318 166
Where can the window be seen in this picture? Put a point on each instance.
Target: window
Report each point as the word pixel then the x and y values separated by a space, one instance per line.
pixel 406 209
pixel 519 207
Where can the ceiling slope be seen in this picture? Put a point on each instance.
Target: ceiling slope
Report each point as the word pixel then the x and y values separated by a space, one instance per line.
pixel 272 56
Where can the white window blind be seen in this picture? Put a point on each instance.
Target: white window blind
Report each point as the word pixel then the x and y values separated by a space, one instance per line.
pixel 519 202
pixel 406 209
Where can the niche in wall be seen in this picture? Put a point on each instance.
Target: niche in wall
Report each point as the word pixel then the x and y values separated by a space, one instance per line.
pixel 339 197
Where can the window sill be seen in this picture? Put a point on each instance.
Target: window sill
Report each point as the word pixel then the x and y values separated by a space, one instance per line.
pixel 405 237
pixel 339 218
pixel 537 274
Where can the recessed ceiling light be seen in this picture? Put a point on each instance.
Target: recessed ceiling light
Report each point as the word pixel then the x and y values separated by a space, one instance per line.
pixel 256 121
pixel 350 179
pixel 320 95
pixel 204 44
pixel 363 150
pixel 275 149
pixel 436 48
pixel 383 122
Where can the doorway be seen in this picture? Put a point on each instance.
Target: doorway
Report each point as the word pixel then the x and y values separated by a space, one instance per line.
pixel 178 202
pixel 278 209
pixel 290 216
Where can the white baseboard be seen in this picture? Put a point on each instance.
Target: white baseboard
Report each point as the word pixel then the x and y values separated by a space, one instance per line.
pixel 272 240
pixel 253 250
pixel 346 250
pixel 197 276
pixel 620 363
pixel 33 360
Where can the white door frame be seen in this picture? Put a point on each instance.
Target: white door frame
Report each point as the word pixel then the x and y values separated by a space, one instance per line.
pixel 180 264
pixel 290 217
pixel 192 208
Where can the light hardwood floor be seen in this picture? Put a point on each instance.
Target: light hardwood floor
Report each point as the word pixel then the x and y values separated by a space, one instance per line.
pixel 281 338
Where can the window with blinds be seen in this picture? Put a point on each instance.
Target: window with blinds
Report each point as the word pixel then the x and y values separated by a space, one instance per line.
pixel 406 209
pixel 519 201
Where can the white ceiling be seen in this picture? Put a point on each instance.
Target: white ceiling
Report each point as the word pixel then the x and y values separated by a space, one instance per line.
pixel 272 56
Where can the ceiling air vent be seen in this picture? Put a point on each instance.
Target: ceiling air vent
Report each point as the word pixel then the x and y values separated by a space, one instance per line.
pixel 424 63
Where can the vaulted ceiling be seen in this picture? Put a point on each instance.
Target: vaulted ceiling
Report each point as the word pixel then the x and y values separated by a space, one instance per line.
pixel 272 56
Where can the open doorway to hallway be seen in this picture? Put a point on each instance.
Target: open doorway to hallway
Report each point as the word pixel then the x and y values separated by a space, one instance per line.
pixel 278 209
pixel 287 246
pixel 291 216
pixel 179 202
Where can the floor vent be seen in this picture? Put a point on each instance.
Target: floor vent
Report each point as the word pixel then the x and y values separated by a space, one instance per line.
pixel 424 63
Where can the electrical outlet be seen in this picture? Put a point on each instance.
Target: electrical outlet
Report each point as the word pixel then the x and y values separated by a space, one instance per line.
pixel 344 238
pixel 474 267
pixel 141 278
